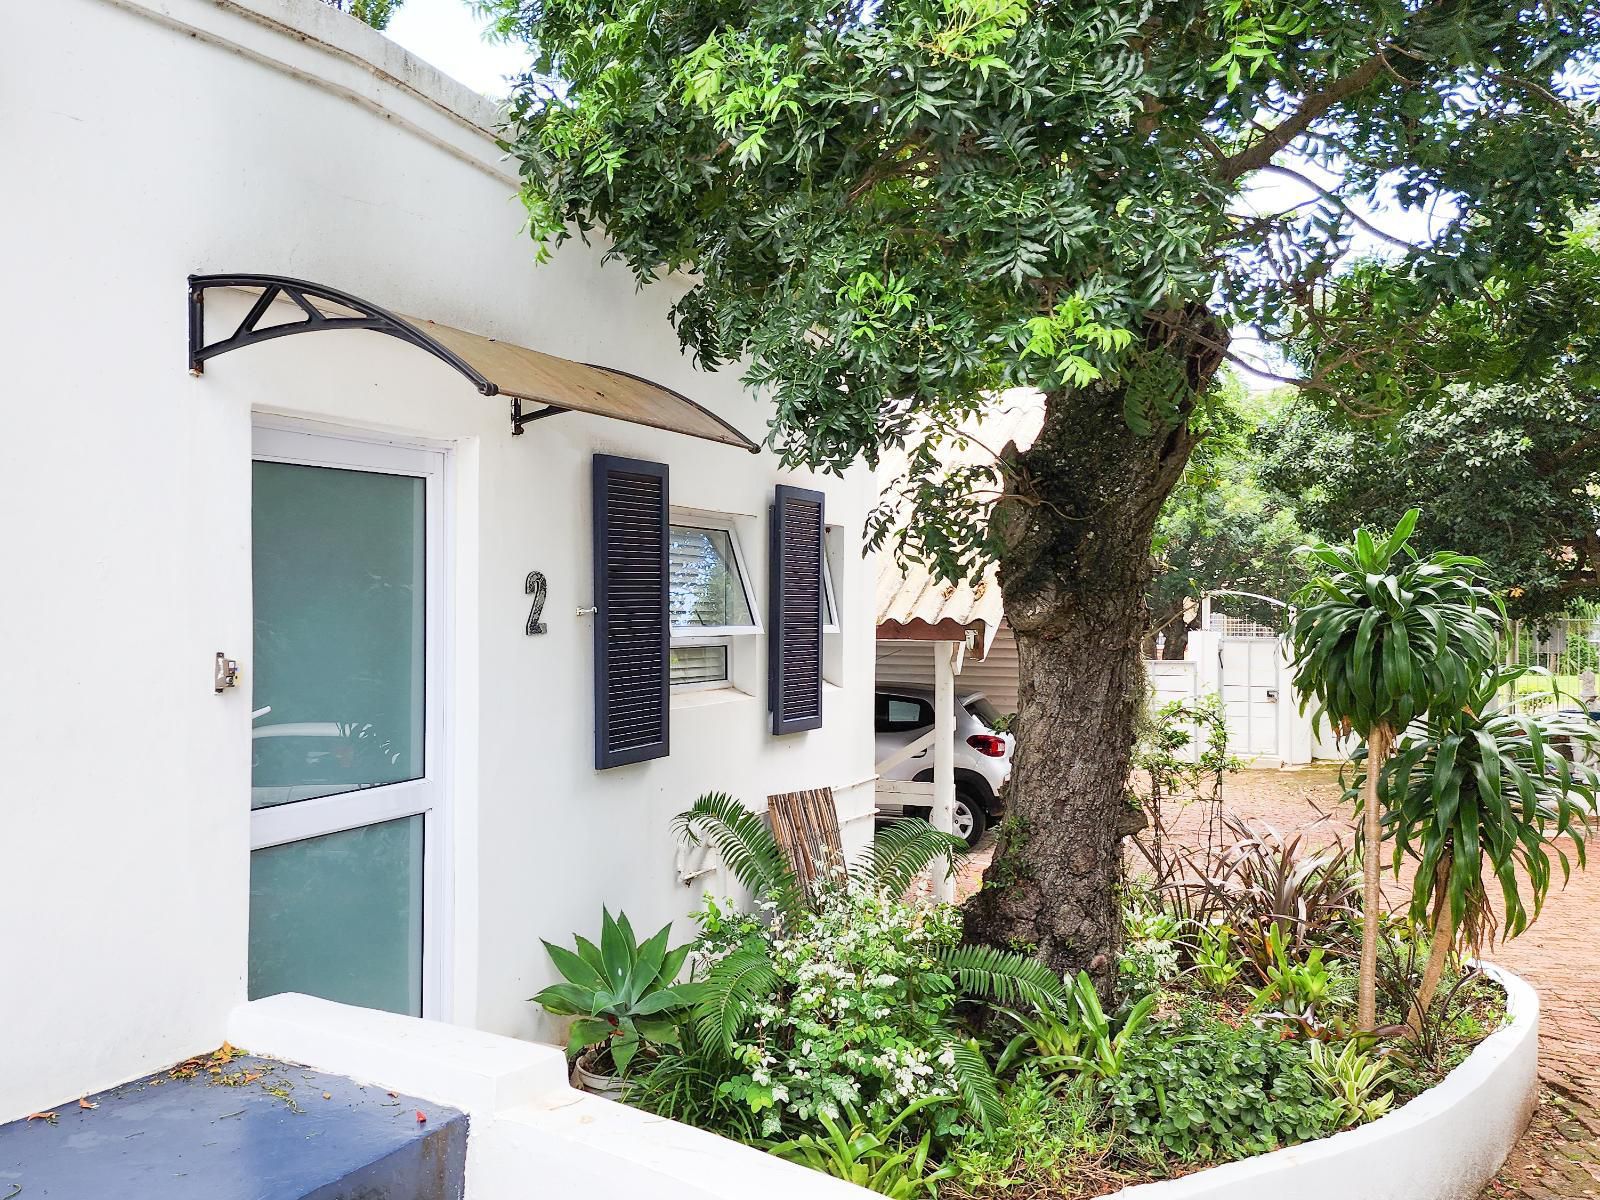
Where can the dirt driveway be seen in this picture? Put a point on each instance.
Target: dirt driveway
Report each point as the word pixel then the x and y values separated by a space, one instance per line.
pixel 1559 955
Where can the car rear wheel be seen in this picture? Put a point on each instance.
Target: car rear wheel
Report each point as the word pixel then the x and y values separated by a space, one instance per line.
pixel 970 819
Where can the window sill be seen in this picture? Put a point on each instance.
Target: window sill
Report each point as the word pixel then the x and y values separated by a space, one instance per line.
pixel 708 697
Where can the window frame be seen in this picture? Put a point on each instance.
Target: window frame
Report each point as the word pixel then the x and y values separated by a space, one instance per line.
pixel 830 594
pixel 684 636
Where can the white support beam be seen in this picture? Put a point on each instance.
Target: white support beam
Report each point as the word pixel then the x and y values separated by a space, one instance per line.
pixel 944 754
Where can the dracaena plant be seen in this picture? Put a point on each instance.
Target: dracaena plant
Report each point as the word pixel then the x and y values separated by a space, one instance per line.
pixel 1485 797
pixel 621 994
pixel 1381 636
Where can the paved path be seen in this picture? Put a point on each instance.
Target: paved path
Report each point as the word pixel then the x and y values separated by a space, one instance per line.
pixel 1559 955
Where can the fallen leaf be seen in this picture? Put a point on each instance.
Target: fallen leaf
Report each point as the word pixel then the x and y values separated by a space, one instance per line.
pixel 251 1076
pixel 51 1117
pixel 392 1095
pixel 327 1095
pixel 84 1103
pixel 421 1116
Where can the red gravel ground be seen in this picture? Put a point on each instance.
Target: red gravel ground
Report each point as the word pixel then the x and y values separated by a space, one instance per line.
pixel 1559 1156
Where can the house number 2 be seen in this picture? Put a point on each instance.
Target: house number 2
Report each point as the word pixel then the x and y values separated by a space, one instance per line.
pixel 538 589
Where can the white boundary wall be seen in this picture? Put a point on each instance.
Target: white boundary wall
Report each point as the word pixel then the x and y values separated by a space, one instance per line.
pixel 147 139
pixel 530 1133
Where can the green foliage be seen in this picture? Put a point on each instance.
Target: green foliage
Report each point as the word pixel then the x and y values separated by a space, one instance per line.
pixel 683 1083
pixel 1225 526
pixel 1297 988
pixel 745 844
pixel 889 212
pixel 1201 1089
pixel 1217 965
pixel 1354 1079
pixel 1382 636
pixel 1044 1138
pixel 1484 792
pixel 872 1156
pixel 376 13
pixel 1502 473
pixel 623 995
pixel 1263 886
pixel 1078 1037
pixel 852 1003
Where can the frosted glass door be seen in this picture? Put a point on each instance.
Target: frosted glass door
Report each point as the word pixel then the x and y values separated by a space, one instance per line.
pixel 341 792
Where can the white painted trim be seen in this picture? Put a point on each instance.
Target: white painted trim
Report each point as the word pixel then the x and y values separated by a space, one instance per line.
pixel 531 1132
pixel 278 439
pixel 312 42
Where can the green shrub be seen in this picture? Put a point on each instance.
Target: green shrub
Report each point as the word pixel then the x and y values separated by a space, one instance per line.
pixel 1045 1137
pixel 1200 1089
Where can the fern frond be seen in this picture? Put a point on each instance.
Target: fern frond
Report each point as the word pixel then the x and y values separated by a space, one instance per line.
pixel 746 845
pixel 900 852
pixel 1004 977
pixel 980 1094
pixel 731 989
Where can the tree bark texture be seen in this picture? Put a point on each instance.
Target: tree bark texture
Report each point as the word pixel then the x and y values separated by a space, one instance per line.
pixel 1076 526
pixel 1380 740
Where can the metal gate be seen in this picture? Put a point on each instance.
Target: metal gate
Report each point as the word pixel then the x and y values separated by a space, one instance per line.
pixel 1250 679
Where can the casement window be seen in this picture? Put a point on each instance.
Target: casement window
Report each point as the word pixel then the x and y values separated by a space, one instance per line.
pixel 830 597
pixel 711 601
pixel 799 593
pixel 632 629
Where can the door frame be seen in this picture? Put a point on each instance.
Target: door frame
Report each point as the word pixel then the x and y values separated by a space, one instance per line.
pixel 315 444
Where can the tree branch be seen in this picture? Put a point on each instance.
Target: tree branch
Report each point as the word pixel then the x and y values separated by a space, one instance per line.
pixel 1344 205
pixel 1259 154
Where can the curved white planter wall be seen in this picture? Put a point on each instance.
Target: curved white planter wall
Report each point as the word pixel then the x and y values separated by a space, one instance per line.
pixel 1444 1145
pixel 529 1125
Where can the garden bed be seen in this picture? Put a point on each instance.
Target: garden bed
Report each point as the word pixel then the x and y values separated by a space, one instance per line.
pixel 1445 1144
pixel 847 1028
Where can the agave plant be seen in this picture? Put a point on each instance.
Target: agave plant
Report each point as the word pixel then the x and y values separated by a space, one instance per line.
pixel 623 995
pixel 1379 638
pixel 1482 794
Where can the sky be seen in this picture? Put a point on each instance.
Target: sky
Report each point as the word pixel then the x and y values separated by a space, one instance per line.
pixel 446 34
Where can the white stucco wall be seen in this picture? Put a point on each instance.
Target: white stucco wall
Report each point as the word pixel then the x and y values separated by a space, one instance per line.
pixel 147 139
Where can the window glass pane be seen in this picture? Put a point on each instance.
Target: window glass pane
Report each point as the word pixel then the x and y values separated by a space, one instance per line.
pixel 705 589
pixel 897 714
pixel 699 664
pixel 340 916
pixel 338 565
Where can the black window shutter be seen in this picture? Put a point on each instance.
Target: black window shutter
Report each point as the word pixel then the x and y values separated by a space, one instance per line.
pixel 794 641
pixel 632 634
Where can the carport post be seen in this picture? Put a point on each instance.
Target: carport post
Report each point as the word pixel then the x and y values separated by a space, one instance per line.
pixel 944 755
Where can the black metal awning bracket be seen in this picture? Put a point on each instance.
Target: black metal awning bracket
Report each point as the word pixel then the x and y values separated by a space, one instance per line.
pixel 302 294
pixel 520 418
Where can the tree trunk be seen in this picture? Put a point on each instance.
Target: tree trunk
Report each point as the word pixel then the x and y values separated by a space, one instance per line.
pixel 1379 742
pixel 1444 937
pixel 1076 526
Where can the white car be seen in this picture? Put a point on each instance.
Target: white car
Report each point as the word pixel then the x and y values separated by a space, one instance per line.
pixel 902 715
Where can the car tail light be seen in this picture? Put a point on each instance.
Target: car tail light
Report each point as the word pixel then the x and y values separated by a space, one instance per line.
pixel 988 743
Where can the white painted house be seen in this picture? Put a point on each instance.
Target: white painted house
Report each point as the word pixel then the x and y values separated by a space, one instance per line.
pixel 429 758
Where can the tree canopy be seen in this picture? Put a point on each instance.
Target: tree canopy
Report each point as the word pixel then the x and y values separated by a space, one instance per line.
pixel 892 209
pixel 1509 474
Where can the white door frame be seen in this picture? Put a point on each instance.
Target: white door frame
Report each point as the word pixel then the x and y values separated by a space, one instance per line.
pixel 305 444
